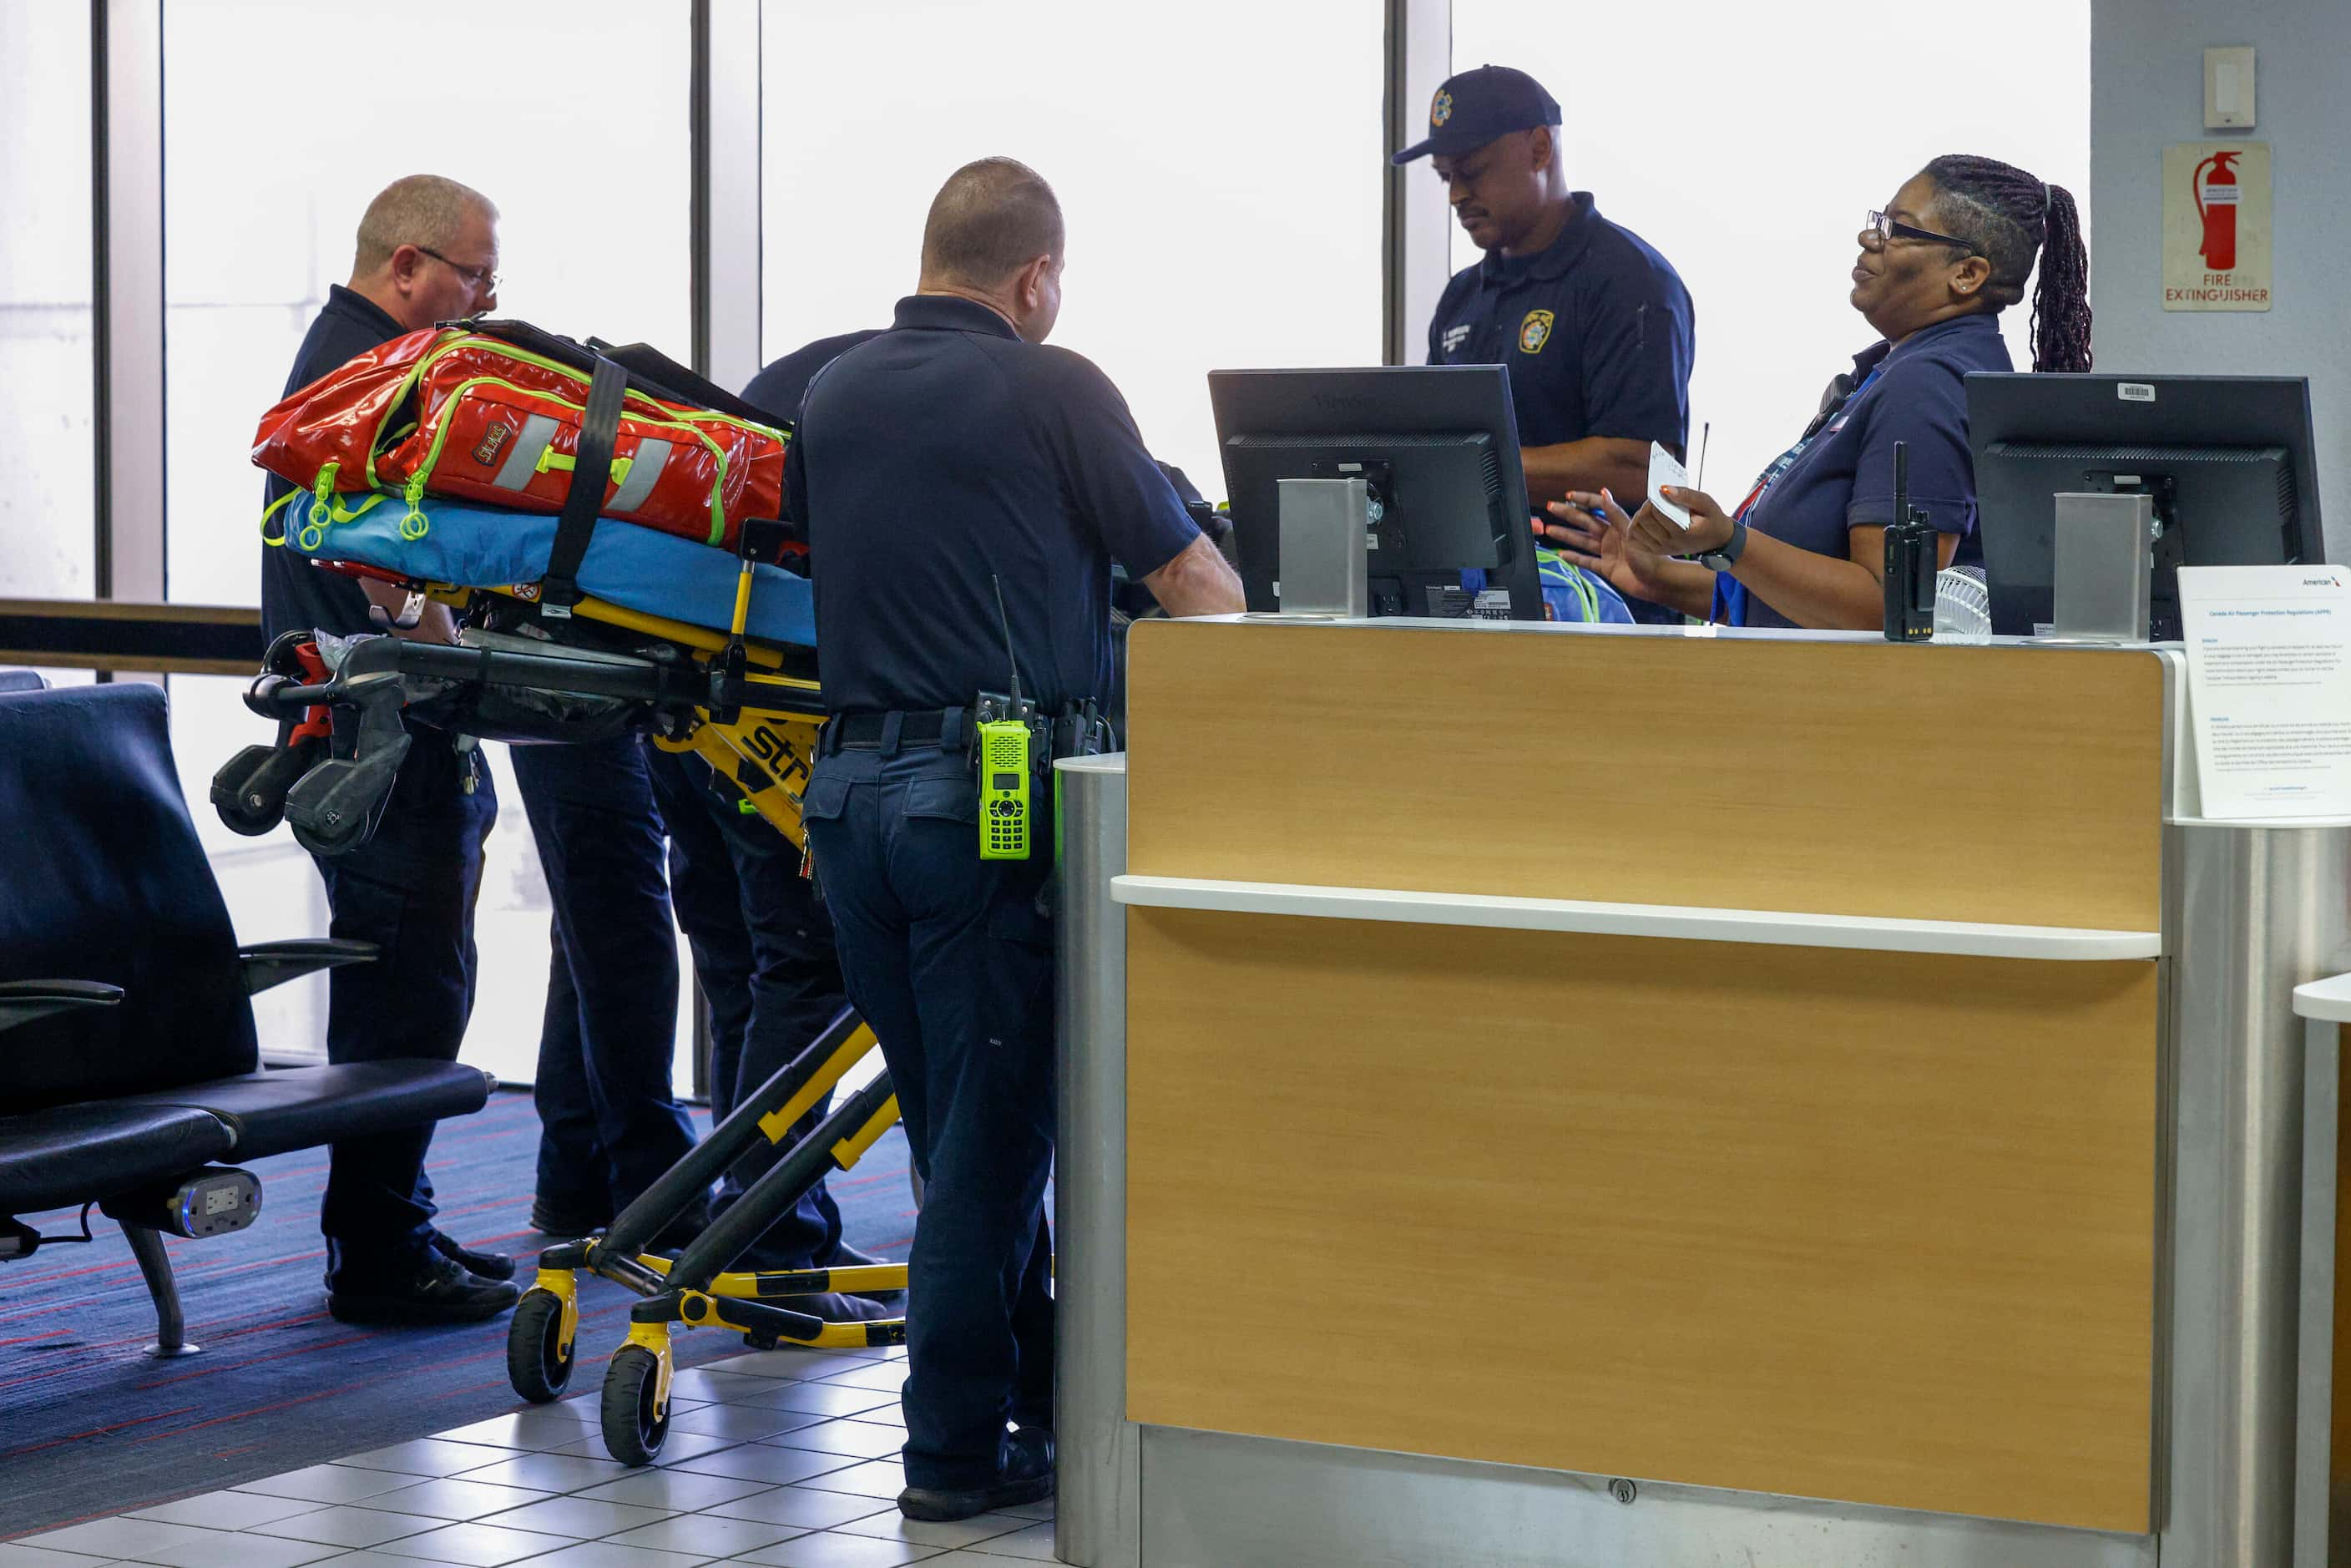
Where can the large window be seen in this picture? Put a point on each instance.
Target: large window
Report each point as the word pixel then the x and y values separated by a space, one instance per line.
pixel 1750 160
pixel 1219 165
pixel 282 119
pixel 47 360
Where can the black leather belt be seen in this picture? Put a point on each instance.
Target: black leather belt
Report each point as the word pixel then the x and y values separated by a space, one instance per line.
pixel 1074 734
pixel 870 731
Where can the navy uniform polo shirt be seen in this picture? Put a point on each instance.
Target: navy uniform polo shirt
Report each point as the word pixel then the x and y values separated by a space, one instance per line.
pixel 295 595
pixel 777 390
pixel 1841 475
pixel 947 452
pixel 1597 331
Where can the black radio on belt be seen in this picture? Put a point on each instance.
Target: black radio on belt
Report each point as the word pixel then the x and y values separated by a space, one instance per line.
pixel 1910 562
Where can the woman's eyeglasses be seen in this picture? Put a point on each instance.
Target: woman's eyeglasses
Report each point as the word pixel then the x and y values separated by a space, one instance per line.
pixel 1881 228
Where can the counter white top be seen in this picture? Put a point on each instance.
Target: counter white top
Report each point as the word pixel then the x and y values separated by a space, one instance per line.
pixel 1773 927
pixel 2328 1000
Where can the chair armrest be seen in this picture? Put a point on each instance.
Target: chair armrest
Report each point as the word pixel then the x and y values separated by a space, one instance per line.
pixel 268 964
pixel 21 1001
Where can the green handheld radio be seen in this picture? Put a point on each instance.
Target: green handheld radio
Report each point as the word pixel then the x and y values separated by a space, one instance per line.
pixel 1004 764
pixel 1004 790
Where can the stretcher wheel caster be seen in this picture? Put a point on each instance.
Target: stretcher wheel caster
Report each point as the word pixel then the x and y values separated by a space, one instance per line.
pixel 632 1434
pixel 335 841
pixel 335 806
pixel 538 1363
pixel 249 791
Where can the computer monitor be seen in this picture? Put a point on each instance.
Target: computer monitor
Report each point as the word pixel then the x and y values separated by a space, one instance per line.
pixel 1437 447
pixel 2228 459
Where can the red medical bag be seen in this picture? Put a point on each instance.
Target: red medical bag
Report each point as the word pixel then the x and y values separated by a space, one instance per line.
pixel 491 411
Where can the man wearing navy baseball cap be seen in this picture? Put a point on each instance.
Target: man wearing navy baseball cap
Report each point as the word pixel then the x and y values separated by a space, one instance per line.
pixel 1595 325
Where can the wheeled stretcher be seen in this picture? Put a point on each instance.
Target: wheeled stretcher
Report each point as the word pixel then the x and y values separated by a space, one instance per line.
pixel 748 706
pixel 576 628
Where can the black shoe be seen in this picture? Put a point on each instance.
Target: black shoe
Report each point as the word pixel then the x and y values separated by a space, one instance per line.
pixel 1028 1477
pixel 844 1256
pixel 433 1291
pixel 834 1307
pixel 484 1265
pixel 554 1220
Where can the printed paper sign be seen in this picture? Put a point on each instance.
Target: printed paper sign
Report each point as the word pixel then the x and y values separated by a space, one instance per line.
pixel 2269 680
pixel 2216 225
pixel 1664 469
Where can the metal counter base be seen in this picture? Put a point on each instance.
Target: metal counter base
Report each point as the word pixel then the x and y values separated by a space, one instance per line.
pixel 1214 1501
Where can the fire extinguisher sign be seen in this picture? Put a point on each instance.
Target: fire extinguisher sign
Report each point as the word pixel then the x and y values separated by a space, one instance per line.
pixel 2216 225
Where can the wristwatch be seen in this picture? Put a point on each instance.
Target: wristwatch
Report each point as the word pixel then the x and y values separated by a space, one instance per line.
pixel 1734 547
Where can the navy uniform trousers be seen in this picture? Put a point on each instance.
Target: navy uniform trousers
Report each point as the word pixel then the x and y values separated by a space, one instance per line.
pixel 950 958
pixel 609 1121
pixel 763 951
pixel 409 890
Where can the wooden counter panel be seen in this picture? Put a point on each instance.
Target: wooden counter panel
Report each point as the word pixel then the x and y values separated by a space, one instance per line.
pixel 1870 1226
pixel 2004 784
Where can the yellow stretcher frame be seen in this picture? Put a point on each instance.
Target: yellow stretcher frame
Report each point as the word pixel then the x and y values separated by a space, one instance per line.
pixel 764 752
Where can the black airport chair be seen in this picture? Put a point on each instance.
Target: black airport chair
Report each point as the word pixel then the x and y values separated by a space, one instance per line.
pixel 129 1065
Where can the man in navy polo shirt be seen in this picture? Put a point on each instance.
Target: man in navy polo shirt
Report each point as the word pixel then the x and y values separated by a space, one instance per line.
pixel 952 458
pixel 427 252
pixel 1594 324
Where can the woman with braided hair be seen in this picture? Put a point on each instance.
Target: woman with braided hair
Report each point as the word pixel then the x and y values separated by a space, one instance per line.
pixel 1955 247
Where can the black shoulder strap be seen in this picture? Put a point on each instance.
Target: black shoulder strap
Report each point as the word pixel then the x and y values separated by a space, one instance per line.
pixel 591 469
pixel 657 373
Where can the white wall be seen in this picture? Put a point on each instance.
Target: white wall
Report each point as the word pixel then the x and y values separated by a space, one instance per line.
pixel 1220 163
pixel 2147 90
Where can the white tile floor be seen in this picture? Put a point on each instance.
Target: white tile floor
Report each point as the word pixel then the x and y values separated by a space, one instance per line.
pixel 784 1459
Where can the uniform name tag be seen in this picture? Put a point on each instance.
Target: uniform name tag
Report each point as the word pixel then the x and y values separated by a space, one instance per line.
pixel 1455 337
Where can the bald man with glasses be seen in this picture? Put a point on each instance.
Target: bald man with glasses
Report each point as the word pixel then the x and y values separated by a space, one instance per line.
pixel 427 252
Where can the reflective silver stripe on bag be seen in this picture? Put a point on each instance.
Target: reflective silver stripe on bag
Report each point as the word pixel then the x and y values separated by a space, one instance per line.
pixel 521 465
pixel 645 469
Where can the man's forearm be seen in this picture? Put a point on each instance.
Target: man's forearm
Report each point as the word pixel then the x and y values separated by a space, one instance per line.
pixel 435 626
pixel 1198 581
pixel 1596 463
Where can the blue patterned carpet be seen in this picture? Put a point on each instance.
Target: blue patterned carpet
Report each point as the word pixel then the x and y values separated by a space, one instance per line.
pixel 90 1426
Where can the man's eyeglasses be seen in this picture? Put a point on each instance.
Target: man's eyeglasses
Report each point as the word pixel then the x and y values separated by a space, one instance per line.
pixel 482 279
pixel 1881 228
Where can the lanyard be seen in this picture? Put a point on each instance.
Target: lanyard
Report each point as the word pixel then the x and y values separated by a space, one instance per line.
pixel 1730 595
pixel 1779 466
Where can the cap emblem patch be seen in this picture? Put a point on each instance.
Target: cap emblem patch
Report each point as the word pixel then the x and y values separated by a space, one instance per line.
pixel 1534 331
pixel 1441 110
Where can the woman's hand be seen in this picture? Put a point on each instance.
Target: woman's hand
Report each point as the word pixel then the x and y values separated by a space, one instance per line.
pixel 1593 532
pixel 1709 525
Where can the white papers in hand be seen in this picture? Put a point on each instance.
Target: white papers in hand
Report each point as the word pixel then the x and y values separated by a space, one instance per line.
pixel 1664 469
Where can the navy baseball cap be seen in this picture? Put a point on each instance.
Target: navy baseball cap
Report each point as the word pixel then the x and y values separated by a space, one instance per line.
pixel 1482 106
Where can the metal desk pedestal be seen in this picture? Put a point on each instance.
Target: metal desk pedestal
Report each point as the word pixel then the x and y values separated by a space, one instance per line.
pixel 1098 1516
